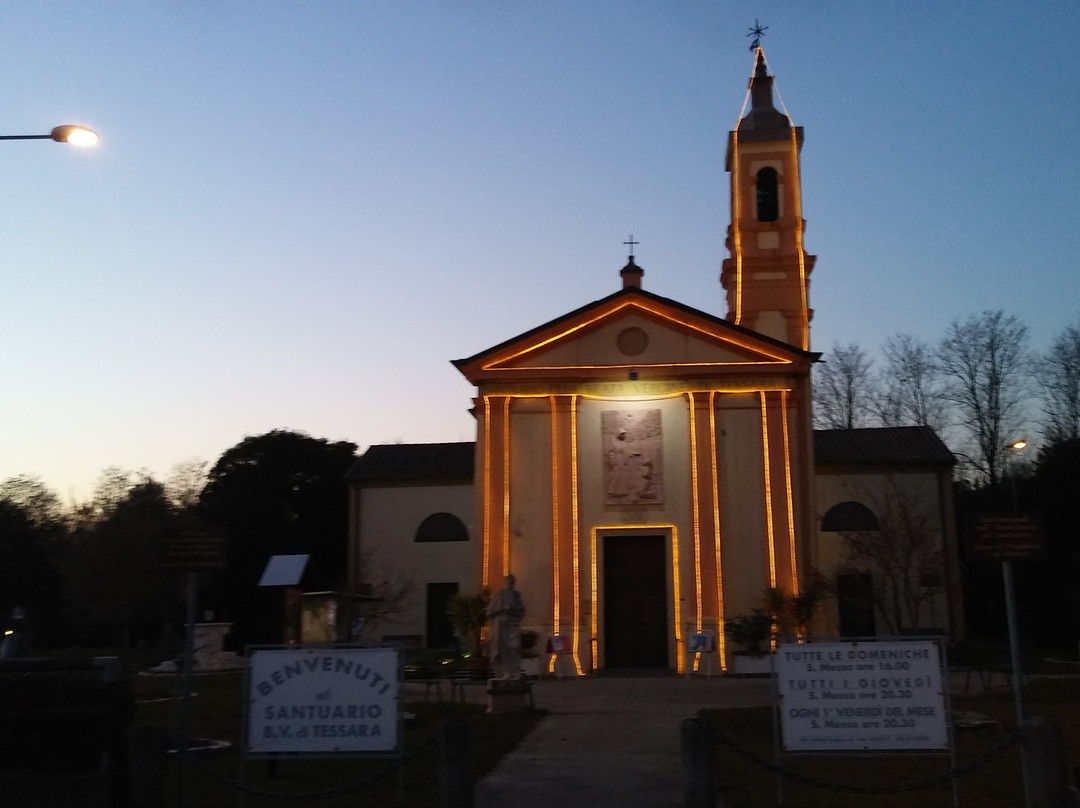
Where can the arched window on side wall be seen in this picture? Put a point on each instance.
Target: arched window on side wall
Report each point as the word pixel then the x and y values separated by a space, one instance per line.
pixel 768 197
pixel 442 527
pixel 849 517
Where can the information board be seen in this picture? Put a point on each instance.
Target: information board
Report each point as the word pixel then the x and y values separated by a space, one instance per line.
pixel 322 700
pixel 861 696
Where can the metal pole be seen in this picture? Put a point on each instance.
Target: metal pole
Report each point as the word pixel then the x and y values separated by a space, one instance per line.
pixel 189 652
pixel 1014 639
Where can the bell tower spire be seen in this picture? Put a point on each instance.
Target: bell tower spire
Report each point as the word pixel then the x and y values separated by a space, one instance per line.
pixel 767 276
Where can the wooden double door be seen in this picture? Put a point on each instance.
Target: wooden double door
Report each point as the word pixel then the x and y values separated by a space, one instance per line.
pixel 635 601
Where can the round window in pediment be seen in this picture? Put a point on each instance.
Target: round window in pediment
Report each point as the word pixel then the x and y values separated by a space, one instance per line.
pixel 632 341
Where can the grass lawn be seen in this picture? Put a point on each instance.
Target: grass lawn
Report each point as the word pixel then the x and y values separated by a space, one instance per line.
pixel 996 784
pixel 216 713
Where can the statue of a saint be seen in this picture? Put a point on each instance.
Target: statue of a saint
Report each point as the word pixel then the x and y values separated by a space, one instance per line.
pixel 504 635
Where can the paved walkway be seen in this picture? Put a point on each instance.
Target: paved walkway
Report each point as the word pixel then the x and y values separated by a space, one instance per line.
pixel 609 741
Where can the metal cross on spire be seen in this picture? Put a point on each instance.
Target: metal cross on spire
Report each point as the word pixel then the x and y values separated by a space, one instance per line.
pixel 631 244
pixel 757 32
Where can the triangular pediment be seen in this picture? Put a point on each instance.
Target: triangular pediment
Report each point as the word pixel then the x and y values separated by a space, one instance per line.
pixel 632 329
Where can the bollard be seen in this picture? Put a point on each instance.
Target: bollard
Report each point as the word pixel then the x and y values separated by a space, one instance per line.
pixel 698 772
pixel 455 778
pixel 1046 782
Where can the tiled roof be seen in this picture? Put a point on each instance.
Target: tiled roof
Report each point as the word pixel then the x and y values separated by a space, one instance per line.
pixel 902 445
pixel 414 461
pixel 907 445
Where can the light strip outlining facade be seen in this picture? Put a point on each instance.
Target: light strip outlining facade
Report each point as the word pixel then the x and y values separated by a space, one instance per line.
pixel 721 643
pixel 770 530
pixel 790 497
pixel 805 311
pixel 666 314
pixel 574 536
pixel 696 517
pixel 736 217
pixel 506 486
pixel 484 578
pixel 556 606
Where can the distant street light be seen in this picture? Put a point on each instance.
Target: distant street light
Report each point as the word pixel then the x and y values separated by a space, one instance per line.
pixel 68 133
pixel 1016 447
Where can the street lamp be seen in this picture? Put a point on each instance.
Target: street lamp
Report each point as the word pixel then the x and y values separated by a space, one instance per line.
pixel 1010 597
pixel 68 133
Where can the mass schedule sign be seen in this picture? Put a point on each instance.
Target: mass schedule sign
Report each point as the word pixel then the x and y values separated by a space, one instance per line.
pixel 859 696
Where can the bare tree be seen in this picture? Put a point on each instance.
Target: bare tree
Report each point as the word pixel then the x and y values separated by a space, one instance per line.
pixel 843 389
pixel 1059 377
pixel 985 363
pixel 905 556
pixel 186 482
pixel 910 390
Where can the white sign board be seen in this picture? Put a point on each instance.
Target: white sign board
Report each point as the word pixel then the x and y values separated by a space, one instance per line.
pixel 320 700
pixel 861 696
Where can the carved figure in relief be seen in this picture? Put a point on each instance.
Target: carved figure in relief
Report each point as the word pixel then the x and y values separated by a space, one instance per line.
pixel 632 454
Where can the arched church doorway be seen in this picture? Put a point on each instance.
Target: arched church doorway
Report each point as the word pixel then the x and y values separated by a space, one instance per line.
pixel 635 602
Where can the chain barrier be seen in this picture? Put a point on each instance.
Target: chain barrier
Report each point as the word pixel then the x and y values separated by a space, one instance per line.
pixel 310 796
pixel 895 788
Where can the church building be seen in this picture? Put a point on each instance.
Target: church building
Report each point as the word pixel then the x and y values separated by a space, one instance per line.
pixel 647 470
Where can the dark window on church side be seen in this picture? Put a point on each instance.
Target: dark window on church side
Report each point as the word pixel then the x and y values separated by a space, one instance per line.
pixel 442 527
pixel 849 517
pixel 768 202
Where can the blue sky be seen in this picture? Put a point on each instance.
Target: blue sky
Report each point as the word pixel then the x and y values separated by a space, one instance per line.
pixel 300 212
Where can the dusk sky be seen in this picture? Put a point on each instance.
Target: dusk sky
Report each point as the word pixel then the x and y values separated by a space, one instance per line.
pixel 300 212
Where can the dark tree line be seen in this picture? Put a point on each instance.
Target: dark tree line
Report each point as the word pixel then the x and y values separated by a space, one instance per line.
pixel 92 574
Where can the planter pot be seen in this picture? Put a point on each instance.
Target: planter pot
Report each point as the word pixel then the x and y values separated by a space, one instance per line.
pixel 751 665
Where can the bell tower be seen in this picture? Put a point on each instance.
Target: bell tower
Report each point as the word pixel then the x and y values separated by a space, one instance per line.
pixel 767 276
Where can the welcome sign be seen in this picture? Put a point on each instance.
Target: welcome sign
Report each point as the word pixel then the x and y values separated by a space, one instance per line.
pixel 323 700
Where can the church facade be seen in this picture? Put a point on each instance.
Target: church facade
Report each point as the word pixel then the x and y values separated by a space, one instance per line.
pixel 645 469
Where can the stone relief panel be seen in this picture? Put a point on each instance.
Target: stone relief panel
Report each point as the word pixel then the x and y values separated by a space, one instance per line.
pixel 633 457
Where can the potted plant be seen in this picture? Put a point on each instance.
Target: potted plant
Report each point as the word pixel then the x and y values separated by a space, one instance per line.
pixel 752 632
pixel 530 655
pixel 468 614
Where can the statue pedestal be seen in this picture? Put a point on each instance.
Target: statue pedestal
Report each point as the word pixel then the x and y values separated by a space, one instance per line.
pixel 508 695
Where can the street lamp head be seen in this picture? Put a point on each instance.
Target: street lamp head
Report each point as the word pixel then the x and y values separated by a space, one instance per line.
pixel 1018 444
pixel 75 135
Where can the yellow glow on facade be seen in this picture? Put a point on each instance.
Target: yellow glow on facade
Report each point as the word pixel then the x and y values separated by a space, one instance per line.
pixel 768 491
pixel 721 644
pixel 676 596
pixel 666 314
pixel 576 545
pixel 790 497
pixel 506 487
pixel 485 580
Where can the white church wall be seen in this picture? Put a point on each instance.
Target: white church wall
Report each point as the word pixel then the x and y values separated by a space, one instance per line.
pixel 918 491
pixel 388 520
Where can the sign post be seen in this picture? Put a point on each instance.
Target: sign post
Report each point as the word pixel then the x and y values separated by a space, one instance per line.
pixel 192 551
pixel 1009 536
